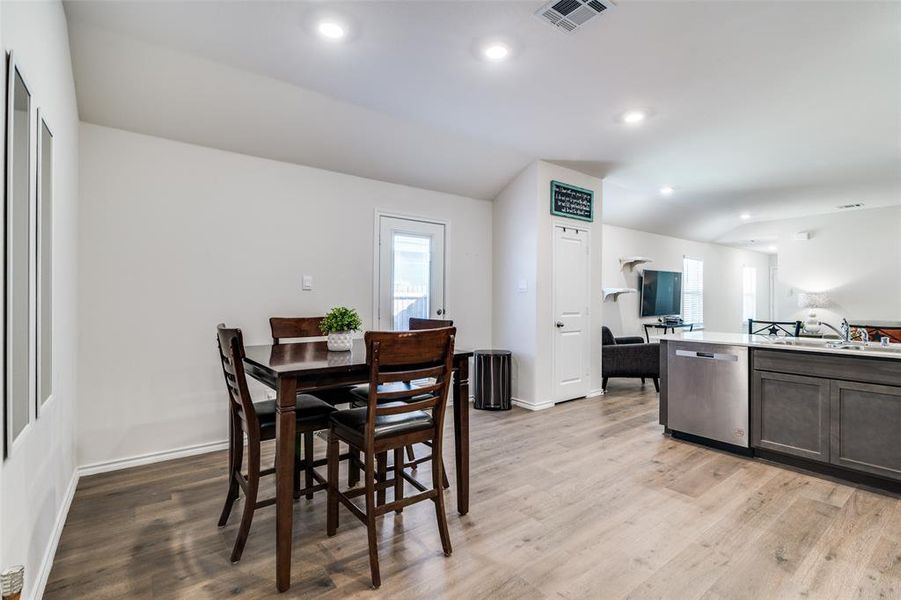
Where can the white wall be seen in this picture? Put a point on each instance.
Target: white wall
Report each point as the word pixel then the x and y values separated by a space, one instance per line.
pixel 177 237
pixel 515 256
pixel 853 256
pixel 522 241
pixel 37 478
pixel 722 278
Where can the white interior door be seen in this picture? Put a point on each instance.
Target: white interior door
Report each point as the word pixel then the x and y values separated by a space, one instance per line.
pixel 410 272
pixel 571 322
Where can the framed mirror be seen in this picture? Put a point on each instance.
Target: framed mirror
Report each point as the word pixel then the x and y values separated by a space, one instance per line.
pixel 17 259
pixel 44 275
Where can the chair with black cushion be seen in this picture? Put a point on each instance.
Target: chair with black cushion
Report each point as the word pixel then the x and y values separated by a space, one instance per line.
pixel 776 328
pixel 361 392
pixel 303 329
pixel 629 357
pixel 391 420
pixel 257 421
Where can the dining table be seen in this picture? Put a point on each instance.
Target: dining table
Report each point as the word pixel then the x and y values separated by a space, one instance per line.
pixel 292 368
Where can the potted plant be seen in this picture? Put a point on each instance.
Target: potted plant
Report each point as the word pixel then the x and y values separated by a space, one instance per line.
pixel 339 325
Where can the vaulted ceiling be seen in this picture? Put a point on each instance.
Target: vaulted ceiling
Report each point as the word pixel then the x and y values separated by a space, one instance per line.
pixel 777 109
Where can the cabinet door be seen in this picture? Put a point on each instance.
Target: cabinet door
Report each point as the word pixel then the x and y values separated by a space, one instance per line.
pixel 790 414
pixel 866 427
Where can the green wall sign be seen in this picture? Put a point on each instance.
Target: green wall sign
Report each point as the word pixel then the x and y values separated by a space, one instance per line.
pixel 571 201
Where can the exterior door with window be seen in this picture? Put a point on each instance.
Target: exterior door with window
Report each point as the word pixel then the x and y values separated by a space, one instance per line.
pixel 410 272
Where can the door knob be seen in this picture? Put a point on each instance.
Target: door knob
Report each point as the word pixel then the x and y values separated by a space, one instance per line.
pixel 440 311
pixel 559 324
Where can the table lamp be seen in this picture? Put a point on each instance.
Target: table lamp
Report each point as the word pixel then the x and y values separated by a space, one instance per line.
pixel 812 301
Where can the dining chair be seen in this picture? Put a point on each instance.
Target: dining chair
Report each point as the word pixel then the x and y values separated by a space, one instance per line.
pixel 392 420
pixel 779 328
pixel 303 329
pixel 257 421
pixel 361 392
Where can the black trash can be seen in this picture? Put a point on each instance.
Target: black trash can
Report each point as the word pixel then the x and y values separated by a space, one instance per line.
pixel 491 379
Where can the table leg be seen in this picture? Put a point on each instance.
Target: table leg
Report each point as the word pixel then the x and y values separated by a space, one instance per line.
pixel 461 433
pixel 286 425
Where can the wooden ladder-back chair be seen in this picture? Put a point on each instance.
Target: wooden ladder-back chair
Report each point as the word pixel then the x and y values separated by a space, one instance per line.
pixel 361 394
pixel 257 421
pixel 392 420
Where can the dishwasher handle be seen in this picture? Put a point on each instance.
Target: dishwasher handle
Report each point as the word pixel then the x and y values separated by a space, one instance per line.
pixel 708 355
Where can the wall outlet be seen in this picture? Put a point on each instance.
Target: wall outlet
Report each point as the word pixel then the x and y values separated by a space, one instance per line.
pixel 307 282
pixel 522 286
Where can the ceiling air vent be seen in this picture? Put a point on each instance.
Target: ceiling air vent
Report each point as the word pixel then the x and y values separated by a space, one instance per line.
pixel 847 206
pixel 569 15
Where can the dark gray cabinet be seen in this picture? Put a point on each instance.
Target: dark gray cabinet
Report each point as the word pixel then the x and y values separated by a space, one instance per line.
pixel 866 428
pixel 802 405
pixel 790 414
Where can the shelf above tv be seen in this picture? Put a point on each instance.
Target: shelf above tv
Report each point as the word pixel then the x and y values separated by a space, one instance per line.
pixel 616 292
pixel 633 261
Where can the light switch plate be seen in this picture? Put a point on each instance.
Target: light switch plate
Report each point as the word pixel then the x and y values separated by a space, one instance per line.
pixel 522 286
pixel 307 282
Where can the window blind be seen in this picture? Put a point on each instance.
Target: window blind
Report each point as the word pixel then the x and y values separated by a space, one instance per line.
pixel 693 290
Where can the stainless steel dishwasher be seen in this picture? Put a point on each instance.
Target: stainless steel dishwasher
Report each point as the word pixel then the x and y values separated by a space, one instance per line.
pixel 707 392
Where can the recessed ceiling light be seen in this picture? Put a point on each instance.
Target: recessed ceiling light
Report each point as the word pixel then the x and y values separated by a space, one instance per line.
pixel 667 190
pixel 496 51
pixel 772 248
pixel 331 30
pixel 634 117
pixel 745 216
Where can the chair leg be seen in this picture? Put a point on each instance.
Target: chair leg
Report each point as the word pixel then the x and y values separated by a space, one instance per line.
pixel 332 452
pixel 298 467
pixel 235 458
pixel 411 456
pixel 250 500
pixel 369 474
pixel 657 384
pixel 604 383
pixel 399 476
pixel 382 476
pixel 437 472
pixel 353 467
pixel 642 381
pixel 308 458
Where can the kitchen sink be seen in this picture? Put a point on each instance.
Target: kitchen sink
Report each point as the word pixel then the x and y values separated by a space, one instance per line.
pixel 830 344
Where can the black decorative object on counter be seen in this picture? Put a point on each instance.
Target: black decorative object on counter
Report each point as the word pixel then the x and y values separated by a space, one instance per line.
pixel 491 379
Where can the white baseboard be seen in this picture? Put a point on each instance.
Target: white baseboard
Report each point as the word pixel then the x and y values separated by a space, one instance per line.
pixel 531 406
pixel 595 393
pixel 47 562
pixel 153 457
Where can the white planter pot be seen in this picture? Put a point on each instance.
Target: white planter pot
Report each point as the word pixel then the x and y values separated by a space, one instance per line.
pixel 340 341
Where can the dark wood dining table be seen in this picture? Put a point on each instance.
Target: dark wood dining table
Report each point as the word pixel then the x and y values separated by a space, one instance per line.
pixel 308 366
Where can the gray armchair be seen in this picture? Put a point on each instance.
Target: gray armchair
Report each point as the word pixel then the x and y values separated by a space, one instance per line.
pixel 629 357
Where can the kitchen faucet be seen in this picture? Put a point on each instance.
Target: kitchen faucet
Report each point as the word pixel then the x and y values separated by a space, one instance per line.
pixel 844 333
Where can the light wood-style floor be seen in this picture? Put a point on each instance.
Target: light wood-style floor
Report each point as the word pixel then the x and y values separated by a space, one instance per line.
pixel 586 500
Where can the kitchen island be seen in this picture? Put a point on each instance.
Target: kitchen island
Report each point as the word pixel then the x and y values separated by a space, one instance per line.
pixel 796 401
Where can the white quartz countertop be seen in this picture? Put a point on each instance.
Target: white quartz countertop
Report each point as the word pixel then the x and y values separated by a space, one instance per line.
pixel 819 345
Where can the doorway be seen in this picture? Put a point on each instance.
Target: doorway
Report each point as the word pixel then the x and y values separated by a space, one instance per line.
pixel 410 271
pixel 571 313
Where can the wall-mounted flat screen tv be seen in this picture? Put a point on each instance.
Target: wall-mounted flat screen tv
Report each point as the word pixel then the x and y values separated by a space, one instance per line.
pixel 661 293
